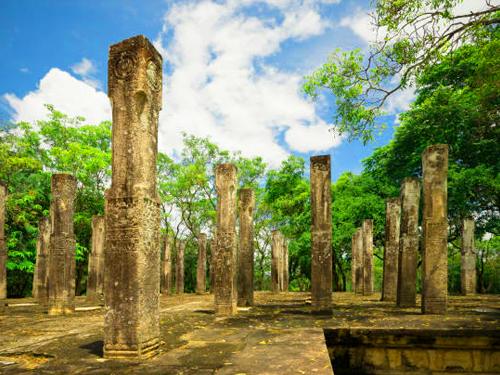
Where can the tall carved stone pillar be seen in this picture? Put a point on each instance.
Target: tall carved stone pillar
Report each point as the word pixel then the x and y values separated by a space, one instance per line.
pixel 41 275
pixel 408 243
pixel 211 279
pixel 468 266
pixel 3 248
pixel 132 204
pixel 166 277
pixel 245 255
pixel 391 250
pixel 179 267
pixel 321 234
pixel 62 246
pixel 276 249
pixel 95 280
pixel 224 255
pixel 359 254
pixel 201 269
pixel 368 257
pixel 353 261
pixel 435 230
pixel 285 266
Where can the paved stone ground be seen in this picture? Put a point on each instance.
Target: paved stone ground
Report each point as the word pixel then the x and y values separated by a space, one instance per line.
pixel 277 336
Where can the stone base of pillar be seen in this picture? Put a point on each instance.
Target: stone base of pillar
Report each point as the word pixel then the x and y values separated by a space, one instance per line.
pixel 322 307
pixel 230 309
pixel 144 350
pixel 436 306
pixel 60 308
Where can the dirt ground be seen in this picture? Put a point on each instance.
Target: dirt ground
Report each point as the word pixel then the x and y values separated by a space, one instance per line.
pixel 277 336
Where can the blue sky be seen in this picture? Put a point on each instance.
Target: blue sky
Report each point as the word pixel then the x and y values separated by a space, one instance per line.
pixel 232 69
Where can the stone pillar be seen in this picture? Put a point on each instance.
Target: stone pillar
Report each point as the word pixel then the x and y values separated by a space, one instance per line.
pixel 95 280
pixel 179 267
pixel 408 243
pixel 321 234
pixel 201 269
pixel 468 266
pixel 276 249
pixel 3 248
pixel 132 204
pixel 435 230
pixel 224 254
pixel 354 239
pixel 41 275
pixel 245 255
pixel 211 266
pixel 166 277
pixel 62 245
pixel 359 261
pixel 285 266
pixel 368 257
pixel 391 250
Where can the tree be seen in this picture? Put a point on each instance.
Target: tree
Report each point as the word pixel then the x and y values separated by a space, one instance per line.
pixel 411 36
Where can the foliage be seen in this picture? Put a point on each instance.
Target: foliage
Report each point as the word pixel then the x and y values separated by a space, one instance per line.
pixel 410 37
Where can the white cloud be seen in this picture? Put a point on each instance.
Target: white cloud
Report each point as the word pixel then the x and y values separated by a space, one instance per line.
pixel 85 69
pixel 219 85
pixel 68 94
pixel 361 24
pixel 24 70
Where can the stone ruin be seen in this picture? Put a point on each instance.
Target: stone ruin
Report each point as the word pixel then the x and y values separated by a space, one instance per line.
pixel 277 241
pixel 201 266
pixel 132 203
pixel 179 267
pixel 224 251
pixel 41 274
pixel 391 249
pixel 95 279
pixel 468 260
pixel 246 249
pixel 166 275
pixel 321 234
pixel 3 248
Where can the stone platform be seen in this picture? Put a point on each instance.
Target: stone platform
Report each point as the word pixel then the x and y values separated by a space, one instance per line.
pixel 277 336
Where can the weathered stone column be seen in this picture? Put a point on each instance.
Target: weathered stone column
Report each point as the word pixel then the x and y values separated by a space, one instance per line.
pixel 368 257
pixel 132 205
pixel 224 255
pixel 201 269
pixel 408 243
pixel 3 248
pixel 245 255
pixel 435 230
pixel 391 250
pixel 95 280
pixel 211 279
pixel 468 266
pixel 166 278
pixel 62 245
pixel 359 285
pixel 353 260
pixel 276 249
pixel 285 266
pixel 321 234
pixel 179 267
pixel 41 275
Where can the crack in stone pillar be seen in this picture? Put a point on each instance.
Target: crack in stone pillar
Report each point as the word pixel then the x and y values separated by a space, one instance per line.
pixel 246 250
pixel 41 275
pixel 408 243
pixel 435 230
pixel 95 280
pixel 132 203
pixel 321 234
pixel 201 266
pixel 368 257
pixel 62 245
pixel 391 249
pixel 225 251
pixel 166 280
pixel 3 247
pixel 468 260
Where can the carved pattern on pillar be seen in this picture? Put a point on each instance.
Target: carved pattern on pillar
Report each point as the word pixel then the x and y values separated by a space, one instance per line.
pixel 132 204
pixel 321 234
